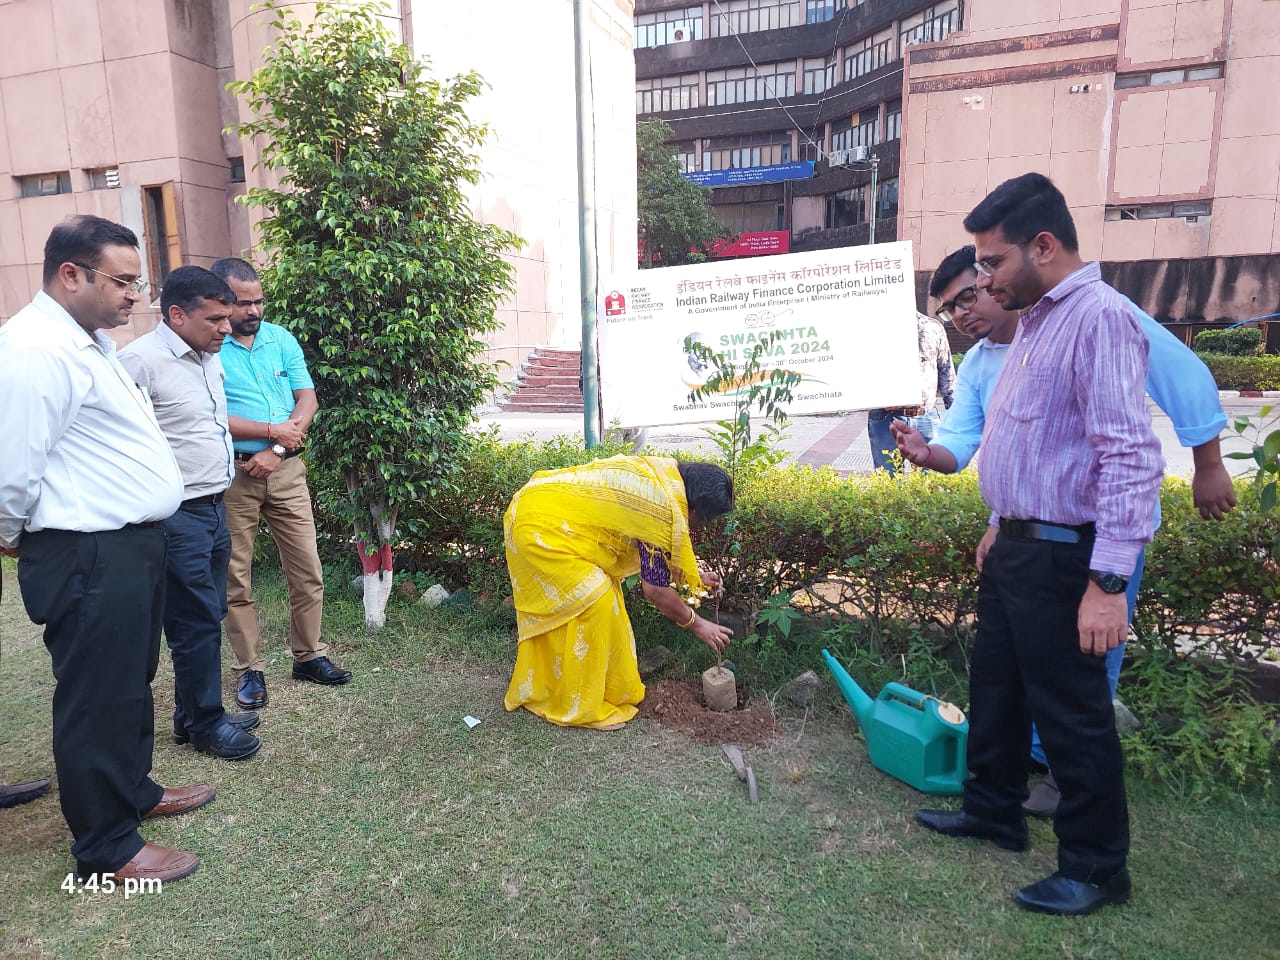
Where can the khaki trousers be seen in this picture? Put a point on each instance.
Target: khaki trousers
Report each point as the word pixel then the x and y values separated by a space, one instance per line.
pixel 284 500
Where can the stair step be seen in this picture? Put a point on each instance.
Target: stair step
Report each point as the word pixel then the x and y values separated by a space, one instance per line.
pixel 520 406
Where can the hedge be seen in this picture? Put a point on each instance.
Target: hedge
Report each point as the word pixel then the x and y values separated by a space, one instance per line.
pixel 1236 342
pixel 893 552
pixel 1244 373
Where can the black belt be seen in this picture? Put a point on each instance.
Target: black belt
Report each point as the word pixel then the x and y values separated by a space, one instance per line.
pixel 242 457
pixel 1042 530
pixel 207 500
pixel 144 525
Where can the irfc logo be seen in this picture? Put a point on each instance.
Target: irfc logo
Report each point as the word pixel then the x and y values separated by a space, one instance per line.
pixel 615 304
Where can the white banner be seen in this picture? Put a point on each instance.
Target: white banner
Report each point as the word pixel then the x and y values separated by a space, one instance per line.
pixel 846 320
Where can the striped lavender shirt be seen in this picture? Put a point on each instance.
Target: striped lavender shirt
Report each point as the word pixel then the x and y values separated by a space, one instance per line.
pixel 1068 438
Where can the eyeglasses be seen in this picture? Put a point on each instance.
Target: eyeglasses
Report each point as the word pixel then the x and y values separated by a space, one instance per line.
pixel 963 300
pixel 139 286
pixel 987 265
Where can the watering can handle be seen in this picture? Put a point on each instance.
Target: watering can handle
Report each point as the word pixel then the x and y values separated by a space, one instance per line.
pixel 897 691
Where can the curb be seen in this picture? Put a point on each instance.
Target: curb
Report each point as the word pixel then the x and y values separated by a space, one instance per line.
pixel 1249 394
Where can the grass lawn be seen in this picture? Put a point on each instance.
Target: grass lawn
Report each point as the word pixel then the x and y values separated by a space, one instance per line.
pixel 375 824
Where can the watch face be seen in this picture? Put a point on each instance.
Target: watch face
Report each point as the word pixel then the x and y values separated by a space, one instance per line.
pixel 279 450
pixel 1111 582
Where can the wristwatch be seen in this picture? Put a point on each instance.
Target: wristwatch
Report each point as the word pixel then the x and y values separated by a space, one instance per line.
pixel 1109 582
pixel 279 450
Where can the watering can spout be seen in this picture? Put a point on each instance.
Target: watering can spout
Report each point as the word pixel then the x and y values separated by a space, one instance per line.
pixel 859 702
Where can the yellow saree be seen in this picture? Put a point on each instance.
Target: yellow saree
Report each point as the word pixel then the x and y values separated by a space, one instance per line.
pixel 571 538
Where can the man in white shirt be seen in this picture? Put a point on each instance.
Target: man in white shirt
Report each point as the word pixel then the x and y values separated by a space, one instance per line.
pixel 177 366
pixel 85 480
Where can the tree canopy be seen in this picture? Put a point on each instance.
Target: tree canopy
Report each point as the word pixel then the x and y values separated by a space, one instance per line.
pixel 675 223
pixel 377 264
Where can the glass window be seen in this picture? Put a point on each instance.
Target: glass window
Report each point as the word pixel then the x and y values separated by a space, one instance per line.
pixel 106 178
pixel 668 26
pixel 887 204
pixel 1168 76
pixel 730 17
pixel 820 11
pixel 847 208
pixel 1155 211
pixel 748 150
pixel 687 154
pixel 935 22
pixel 749 217
pixel 747 84
pixel 1205 73
pixel 1132 80
pixel 858 131
pixel 45 184
pixel 663 94
pixel 1193 208
pixel 811 145
pixel 893 120
pixel 236 173
pixel 870 53
pixel 819 74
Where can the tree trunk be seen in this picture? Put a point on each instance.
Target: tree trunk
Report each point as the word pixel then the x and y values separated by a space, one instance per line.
pixel 375 534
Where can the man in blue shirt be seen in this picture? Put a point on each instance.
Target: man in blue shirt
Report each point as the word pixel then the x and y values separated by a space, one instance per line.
pixel 1177 380
pixel 271 400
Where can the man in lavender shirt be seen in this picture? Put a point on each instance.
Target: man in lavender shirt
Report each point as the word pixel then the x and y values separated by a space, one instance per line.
pixel 1071 469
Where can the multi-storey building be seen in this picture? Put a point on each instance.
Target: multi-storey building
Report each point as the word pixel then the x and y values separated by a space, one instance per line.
pixel 809 90
pixel 118 108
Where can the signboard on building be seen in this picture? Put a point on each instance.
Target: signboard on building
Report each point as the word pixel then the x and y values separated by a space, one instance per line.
pixel 738 176
pixel 845 321
pixel 756 244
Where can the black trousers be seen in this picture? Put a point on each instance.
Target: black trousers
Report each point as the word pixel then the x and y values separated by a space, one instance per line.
pixel 100 598
pixel 1027 666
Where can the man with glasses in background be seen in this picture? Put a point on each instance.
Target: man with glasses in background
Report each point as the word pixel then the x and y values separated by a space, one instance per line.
pixel 86 479
pixel 1177 380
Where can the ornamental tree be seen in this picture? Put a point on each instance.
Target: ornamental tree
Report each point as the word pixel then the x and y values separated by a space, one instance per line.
pixel 376 262
pixel 674 219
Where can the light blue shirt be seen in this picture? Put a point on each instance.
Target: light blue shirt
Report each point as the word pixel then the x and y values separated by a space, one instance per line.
pixel 1177 380
pixel 261 380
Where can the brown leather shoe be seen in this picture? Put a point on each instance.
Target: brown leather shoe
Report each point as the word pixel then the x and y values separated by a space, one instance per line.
pixel 179 800
pixel 155 862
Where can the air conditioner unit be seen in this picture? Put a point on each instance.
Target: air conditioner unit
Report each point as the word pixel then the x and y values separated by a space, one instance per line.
pixel 838 158
pixel 681 30
pixel 859 154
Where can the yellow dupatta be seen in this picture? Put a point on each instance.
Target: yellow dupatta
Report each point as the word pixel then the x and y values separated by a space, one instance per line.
pixel 570 532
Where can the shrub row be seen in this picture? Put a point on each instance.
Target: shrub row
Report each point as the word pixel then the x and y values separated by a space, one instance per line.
pixel 1244 373
pixel 894 553
pixel 1237 342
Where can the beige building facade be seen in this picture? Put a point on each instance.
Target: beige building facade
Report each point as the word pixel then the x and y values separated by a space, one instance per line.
pixel 118 108
pixel 1156 118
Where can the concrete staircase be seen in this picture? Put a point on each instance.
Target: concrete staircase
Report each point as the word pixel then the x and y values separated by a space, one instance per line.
pixel 547 383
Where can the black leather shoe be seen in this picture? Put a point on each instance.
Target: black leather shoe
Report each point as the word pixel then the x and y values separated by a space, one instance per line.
pixel 242 721
pixel 321 670
pixel 957 823
pixel 228 743
pixel 251 691
pixel 1065 897
pixel 12 794
pixel 1043 800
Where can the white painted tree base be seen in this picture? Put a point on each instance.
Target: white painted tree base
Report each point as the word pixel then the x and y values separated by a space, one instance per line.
pixel 377 590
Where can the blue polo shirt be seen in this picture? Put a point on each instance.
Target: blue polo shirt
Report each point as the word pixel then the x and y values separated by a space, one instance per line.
pixel 1177 380
pixel 260 380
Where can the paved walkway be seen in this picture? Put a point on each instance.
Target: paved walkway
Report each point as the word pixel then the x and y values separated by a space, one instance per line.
pixel 840 440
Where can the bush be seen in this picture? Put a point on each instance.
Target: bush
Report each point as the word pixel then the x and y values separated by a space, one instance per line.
pixel 1237 342
pixel 1243 373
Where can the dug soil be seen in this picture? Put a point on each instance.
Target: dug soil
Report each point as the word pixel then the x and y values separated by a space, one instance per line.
pixel 679 705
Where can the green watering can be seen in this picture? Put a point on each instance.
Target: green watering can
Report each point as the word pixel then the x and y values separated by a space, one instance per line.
pixel 917 738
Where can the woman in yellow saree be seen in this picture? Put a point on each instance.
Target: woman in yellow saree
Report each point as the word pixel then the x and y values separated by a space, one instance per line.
pixel 572 535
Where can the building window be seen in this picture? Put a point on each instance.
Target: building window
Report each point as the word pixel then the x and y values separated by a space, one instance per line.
pixel 893 120
pixel 847 208
pixel 45 184
pixel 1161 77
pixel 820 11
pixel 104 178
pixel 745 84
pixel 871 53
pixel 160 231
pixel 1190 209
pixel 887 201
pixel 667 93
pixel 236 173
pixel 668 26
pixel 750 150
pixel 687 155
pixel 751 16
pixel 819 74
pixel 811 145
pixel 858 131
pixel 749 217
pixel 935 22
